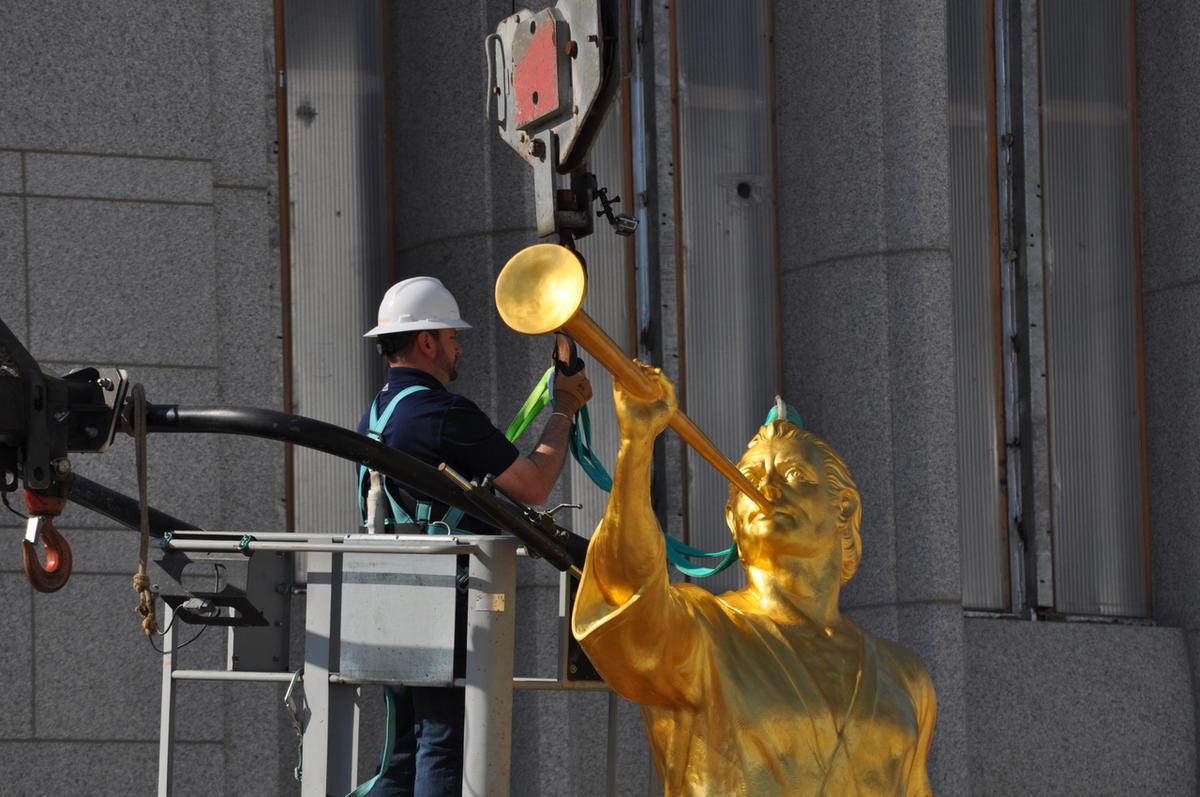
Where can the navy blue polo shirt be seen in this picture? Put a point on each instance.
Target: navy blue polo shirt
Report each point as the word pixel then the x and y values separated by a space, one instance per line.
pixel 438 426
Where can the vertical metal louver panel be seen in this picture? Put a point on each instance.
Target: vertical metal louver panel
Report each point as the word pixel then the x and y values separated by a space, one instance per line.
pixel 338 187
pixel 728 262
pixel 973 244
pixel 1091 308
pixel 607 303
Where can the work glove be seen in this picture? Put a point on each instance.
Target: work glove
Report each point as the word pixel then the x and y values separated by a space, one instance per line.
pixel 569 385
pixel 570 392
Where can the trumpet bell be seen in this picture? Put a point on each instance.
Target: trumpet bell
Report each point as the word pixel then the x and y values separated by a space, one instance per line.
pixel 540 288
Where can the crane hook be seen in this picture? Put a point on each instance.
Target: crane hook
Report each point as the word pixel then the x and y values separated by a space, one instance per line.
pixel 44 506
pixel 53 576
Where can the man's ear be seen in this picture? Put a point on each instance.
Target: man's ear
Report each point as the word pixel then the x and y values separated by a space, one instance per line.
pixel 427 340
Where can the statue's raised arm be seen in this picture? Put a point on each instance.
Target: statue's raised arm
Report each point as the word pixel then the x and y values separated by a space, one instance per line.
pixel 625 610
pixel 767 690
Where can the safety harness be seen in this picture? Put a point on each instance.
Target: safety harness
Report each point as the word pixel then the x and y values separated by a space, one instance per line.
pixel 448 524
pixel 396 516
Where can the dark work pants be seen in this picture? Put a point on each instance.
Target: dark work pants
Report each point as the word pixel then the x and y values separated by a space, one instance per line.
pixel 427 759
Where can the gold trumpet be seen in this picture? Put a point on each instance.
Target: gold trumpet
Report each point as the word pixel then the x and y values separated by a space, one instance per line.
pixel 541 290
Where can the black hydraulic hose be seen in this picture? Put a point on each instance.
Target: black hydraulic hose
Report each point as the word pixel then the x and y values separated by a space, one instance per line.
pixel 339 442
pixel 505 517
pixel 120 507
pixel 307 432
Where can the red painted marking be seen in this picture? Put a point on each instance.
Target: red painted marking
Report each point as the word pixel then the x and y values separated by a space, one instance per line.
pixel 536 74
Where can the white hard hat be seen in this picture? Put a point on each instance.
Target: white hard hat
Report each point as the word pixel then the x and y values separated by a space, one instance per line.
pixel 417 303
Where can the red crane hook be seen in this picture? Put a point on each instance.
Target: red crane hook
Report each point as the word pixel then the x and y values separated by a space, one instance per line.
pixel 44 506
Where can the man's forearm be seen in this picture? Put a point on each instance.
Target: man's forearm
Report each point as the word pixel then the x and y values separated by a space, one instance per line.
pixel 551 450
pixel 531 477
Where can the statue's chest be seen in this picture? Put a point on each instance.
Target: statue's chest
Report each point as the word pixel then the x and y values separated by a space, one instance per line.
pixel 795 677
pixel 835 667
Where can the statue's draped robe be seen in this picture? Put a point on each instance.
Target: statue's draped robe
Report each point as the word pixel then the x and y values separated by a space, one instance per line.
pixel 731 700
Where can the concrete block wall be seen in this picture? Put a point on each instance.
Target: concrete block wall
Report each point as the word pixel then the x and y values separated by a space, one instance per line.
pixel 1079 708
pixel 138 227
pixel 1095 708
pixel 1169 144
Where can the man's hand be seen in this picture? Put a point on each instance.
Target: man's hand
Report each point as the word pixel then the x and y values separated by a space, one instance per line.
pixel 530 478
pixel 571 392
pixel 645 418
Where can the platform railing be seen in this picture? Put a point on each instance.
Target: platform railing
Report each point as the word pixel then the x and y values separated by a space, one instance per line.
pixel 374 619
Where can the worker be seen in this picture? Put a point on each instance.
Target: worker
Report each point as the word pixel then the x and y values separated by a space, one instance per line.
pixel 765 690
pixel 417 334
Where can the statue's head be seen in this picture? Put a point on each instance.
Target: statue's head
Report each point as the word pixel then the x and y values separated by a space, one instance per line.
pixel 814 501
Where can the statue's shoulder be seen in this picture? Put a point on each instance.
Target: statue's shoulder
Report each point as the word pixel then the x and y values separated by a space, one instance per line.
pixel 898 660
pixel 728 606
pixel 698 597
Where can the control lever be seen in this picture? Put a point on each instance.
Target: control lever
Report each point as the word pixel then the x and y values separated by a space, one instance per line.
pixel 622 223
pixel 561 507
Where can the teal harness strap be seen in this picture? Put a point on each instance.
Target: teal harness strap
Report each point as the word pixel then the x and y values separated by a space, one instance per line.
pixel 793 417
pixel 376 424
pixel 389 745
pixel 449 522
pixel 677 553
pixel 581 431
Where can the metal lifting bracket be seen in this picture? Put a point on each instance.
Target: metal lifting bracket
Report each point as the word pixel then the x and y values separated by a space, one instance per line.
pixel 551 79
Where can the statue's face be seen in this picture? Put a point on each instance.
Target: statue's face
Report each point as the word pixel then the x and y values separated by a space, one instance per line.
pixel 803 516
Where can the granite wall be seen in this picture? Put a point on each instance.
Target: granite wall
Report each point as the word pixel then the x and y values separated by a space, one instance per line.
pixel 138 227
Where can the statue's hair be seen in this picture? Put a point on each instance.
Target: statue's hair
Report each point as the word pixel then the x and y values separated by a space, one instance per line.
pixel 839 478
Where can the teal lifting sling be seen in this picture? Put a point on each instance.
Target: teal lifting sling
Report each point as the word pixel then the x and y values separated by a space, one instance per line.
pixel 678 553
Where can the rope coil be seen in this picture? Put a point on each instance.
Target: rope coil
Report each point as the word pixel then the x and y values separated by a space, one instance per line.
pixel 141 581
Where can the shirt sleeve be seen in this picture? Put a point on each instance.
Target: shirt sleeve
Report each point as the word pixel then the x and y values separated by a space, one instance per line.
pixel 656 648
pixel 471 444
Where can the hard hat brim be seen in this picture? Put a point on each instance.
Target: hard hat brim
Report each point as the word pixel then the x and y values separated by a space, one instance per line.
pixel 410 326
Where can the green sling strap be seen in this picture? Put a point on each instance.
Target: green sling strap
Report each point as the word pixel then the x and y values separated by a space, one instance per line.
pixel 581 450
pixel 539 397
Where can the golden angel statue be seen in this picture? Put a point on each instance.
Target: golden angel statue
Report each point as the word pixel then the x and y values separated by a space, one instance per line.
pixel 766 690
